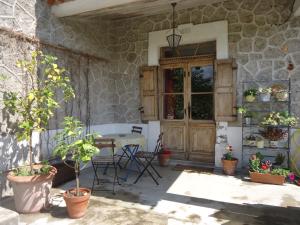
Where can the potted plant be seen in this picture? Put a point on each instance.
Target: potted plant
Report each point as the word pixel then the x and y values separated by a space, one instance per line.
pixel 265 94
pixel 279 118
pixel 74 145
pixel 32 182
pixel 246 114
pixel 229 162
pixel 164 156
pixel 261 171
pixel 260 143
pixel 250 94
pixel 273 134
pixel 280 92
pixel 250 140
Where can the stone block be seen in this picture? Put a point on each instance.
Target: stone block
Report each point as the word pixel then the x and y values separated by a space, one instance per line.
pixel 277 40
pixel 245 16
pixel 273 53
pixel 260 44
pixel 263 7
pixel 249 30
pixel 249 4
pixel 245 45
pixel 230 5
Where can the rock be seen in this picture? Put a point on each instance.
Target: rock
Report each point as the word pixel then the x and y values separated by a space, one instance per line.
pixel 264 75
pixel 295 22
pixel 263 7
pixel 131 57
pixel 281 74
pixel 235 28
pixel 230 5
pixel 208 11
pixel 249 30
pixel 265 64
pixel 220 14
pixel 293 33
pixel 266 31
pixel 273 17
pixel 245 45
pixel 273 53
pixel 255 56
pixel 196 17
pixel 248 4
pixel 252 67
pixel 296 58
pixel 232 17
pixel 243 59
pixel 234 37
pixel 260 20
pixel 293 45
pixel 260 44
pixel 245 16
pixel 277 40
pixel 279 64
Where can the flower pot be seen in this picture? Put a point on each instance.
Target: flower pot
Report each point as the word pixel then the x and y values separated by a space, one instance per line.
pixel 265 97
pixel 266 178
pixel 248 120
pixel 31 193
pixel 164 159
pixel 77 205
pixel 260 144
pixel 282 95
pixel 250 98
pixel 229 166
pixel 273 144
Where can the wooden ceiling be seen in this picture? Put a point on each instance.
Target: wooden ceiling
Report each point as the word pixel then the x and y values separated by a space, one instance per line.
pixel 121 9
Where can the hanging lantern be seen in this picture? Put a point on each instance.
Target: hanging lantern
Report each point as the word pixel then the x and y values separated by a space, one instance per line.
pixel 174 39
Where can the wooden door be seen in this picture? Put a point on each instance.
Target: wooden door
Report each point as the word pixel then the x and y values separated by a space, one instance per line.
pixel 200 97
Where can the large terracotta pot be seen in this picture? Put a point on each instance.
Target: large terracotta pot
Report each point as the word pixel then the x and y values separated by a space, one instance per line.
pixel 229 166
pixel 163 159
pixel 266 178
pixel 77 205
pixel 31 193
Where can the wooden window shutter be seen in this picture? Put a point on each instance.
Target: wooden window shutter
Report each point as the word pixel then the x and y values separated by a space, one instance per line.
pixel 149 93
pixel 225 90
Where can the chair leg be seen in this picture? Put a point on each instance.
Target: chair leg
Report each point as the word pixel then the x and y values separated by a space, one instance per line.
pixel 155 171
pixel 146 169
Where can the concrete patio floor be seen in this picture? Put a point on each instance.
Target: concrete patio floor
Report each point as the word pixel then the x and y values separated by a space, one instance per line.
pixel 181 198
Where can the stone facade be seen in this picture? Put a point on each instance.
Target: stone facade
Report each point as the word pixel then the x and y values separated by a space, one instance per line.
pixel 108 92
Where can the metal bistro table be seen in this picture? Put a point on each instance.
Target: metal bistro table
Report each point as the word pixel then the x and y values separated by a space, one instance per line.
pixel 123 141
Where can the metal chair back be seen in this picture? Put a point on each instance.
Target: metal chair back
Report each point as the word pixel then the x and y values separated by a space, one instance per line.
pixel 136 129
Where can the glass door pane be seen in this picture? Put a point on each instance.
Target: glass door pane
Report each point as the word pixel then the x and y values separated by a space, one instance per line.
pixel 173 94
pixel 201 96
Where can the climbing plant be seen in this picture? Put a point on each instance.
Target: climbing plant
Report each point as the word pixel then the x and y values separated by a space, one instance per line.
pixel 34 108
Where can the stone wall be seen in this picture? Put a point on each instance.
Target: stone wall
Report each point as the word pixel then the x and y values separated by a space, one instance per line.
pixel 257 34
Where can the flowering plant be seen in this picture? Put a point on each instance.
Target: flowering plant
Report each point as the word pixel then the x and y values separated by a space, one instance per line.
pixel 273 133
pixel 228 154
pixel 265 90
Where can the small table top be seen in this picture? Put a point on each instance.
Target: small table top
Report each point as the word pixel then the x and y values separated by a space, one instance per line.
pixel 122 139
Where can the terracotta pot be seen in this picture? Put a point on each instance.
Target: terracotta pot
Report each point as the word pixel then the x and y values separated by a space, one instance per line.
pixel 31 193
pixel 250 98
pixel 77 205
pixel 164 159
pixel 229 166
pixel 266 178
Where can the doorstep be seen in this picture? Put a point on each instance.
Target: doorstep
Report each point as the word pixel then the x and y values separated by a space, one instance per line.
pixel 8 217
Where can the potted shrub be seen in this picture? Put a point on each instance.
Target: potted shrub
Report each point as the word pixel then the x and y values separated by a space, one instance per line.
pixel 246 114
pixel 72 144
pixel 279 119
pixel 250 140
pixel 273 134
pixel 250 94
pixel 164 156
pixel 262 172
pixel 260 143
pixel 265 94
pixel 229 162
pixel 280 92
pixel 32 182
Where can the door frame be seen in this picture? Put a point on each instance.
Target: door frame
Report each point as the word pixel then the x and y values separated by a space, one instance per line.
pixel 186 63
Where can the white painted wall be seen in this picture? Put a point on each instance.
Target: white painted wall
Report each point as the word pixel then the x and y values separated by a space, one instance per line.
pixel 150 131
pixel 191 34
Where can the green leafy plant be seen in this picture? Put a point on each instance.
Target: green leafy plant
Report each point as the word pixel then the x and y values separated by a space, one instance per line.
pixel 265 90
pixel 280 118
pixel 245 112
pixel 281 172
pixel 73 143
pixel 34 108
pixel 251 92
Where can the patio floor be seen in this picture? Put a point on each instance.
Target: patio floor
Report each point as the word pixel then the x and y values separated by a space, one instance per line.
pixel 181 198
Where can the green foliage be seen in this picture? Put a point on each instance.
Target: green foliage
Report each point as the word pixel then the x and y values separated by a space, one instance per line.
pixel 265 90
pixel 72 142
pixel 251 92
pixel 35 107
pixel 280 118
pixel 281 172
